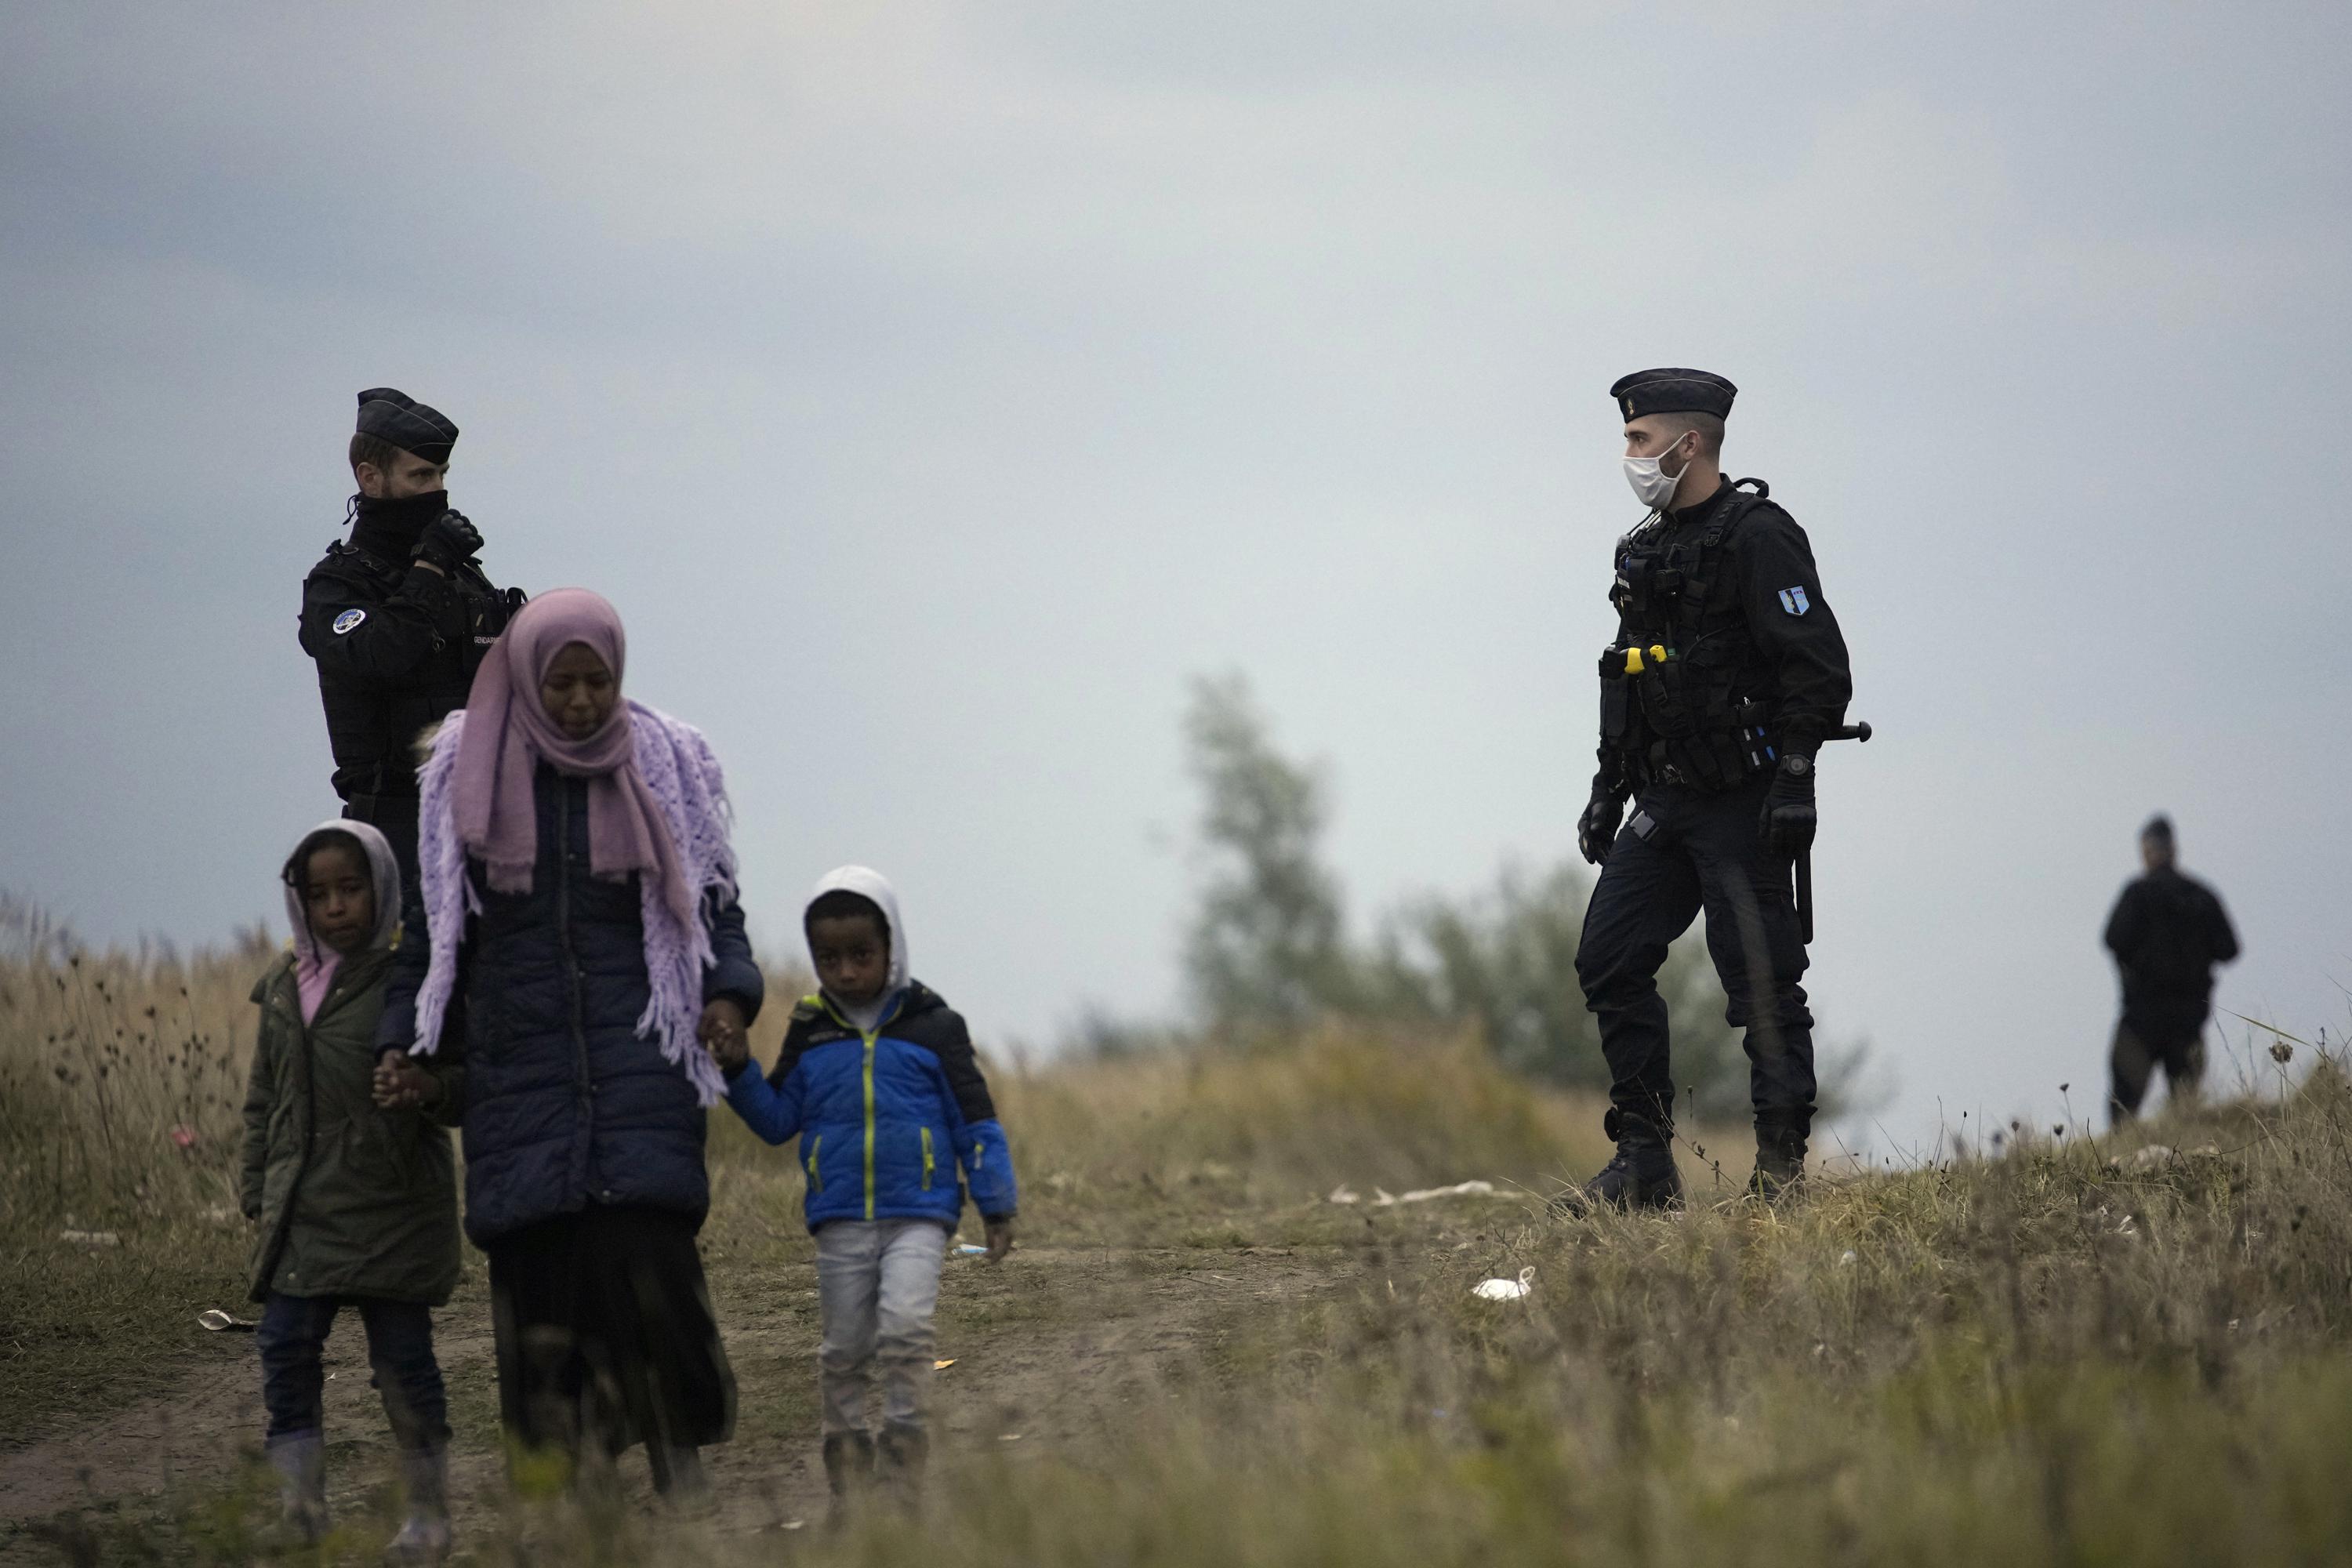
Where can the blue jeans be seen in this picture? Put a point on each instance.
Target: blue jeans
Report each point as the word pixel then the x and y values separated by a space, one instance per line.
pixel 400 1353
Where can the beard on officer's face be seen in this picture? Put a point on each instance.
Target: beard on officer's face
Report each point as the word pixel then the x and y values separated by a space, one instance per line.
pixel 408 476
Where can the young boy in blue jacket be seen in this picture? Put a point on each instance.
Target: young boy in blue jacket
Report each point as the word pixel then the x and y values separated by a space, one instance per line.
pixel 877 1079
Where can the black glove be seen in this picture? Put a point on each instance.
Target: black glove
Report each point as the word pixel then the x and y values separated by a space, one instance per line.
pixel 1788 820
pixel 449 541
pixel 1596 830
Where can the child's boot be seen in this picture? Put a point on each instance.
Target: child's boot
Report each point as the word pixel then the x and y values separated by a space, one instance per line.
pixel 904 1450
pixel 425 1535
pixel 849 1472
pixel 300 1462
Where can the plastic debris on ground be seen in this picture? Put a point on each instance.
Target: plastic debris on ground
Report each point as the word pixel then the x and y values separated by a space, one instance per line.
pixel 218 1322
pixel 91 1237
pixel 1344 1194
pixel 944 1365
pixel 1506 1289
pixel 966 1249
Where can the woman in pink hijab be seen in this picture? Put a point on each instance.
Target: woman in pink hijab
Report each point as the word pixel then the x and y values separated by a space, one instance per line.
pixel 575 941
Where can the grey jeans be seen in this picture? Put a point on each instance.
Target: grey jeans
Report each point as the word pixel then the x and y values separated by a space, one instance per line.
pixel 878 1284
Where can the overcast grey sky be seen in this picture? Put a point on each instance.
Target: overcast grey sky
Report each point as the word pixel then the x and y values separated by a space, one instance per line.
pixel 934 387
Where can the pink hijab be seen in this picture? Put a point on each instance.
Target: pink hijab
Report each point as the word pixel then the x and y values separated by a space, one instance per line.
pixel 508 732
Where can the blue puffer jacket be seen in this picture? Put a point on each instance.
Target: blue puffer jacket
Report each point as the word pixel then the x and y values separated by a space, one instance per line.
pixel 883 1118
pixel 564 1104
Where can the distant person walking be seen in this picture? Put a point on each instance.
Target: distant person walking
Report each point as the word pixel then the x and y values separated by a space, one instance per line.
pixel 399 617
pixel 1727 674
pixel 579 894
pixel 2167 932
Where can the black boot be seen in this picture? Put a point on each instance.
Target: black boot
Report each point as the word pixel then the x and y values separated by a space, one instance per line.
pixel 904 1451
pixel 1780 1160
pixel 1642 1176
pixel 849 1472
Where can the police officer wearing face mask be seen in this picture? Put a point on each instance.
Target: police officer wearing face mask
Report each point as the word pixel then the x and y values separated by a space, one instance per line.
pixel 1728 673
pixel 398 617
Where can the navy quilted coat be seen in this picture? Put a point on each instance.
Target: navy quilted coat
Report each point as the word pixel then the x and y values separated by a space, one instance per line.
pixel 564 1104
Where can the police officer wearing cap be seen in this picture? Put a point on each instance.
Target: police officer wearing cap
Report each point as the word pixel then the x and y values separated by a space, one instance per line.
pixel 399 617
pixel 1728 673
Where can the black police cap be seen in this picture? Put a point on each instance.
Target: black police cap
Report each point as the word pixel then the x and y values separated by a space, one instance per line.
pixel 1672 391
pixel 395 416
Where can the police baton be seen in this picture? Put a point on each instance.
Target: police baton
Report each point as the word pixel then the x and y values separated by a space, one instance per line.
pixel 1860 731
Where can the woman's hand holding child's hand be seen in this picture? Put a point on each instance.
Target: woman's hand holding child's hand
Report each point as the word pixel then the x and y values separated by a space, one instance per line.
pixel 999 1239
pixel 724 1035
pixel 401 1085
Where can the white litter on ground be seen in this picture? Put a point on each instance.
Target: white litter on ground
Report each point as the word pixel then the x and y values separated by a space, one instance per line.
pixel 1458 1190
pixel 1382 1199
pixel 91 1237
pixel 1506 1289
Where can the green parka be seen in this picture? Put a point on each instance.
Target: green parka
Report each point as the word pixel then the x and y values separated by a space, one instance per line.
pixel 351 1200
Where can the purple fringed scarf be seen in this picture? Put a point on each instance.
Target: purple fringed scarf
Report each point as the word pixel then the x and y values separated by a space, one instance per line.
pixel 684 778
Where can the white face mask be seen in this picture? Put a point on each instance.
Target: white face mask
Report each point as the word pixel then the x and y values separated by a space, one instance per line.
pixel 1653 486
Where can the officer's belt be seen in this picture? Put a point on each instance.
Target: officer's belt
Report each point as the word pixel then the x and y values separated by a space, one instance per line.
pixel 385 780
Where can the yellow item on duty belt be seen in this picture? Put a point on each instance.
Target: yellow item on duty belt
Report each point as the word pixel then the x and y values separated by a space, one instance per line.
pixel 1656 651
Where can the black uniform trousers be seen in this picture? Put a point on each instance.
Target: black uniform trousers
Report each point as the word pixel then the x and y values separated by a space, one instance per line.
pixel 1682 851
pixel 2139 1050
pixel 394 817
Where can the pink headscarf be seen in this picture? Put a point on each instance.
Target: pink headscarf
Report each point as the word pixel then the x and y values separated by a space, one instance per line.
pixel 508 732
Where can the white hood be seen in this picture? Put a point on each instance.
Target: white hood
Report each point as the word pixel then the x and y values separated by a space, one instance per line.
pixel 867 883
pixel 382 865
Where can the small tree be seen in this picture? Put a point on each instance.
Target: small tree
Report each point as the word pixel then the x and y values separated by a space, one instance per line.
pixel 1266 949
pixel 1506 960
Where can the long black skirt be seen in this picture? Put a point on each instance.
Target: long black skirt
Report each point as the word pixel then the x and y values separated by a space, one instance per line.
pixel 605 1335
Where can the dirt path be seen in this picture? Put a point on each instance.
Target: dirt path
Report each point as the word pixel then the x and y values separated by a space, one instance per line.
pixel 1045 1350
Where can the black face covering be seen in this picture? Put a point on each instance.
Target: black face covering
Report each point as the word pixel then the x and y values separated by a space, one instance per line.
pixel 393 527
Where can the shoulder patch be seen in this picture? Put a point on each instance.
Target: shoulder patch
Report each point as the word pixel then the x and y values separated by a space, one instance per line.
pixel 353 616
pixel 1793 600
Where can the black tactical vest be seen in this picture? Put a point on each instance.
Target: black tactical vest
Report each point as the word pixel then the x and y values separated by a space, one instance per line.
pixel 372 728
pixel 1678 690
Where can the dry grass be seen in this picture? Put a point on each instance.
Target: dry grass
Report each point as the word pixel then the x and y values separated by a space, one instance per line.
pixel 2064 1354
pixel 122 1084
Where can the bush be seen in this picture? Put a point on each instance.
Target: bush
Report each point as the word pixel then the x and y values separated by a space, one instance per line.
pixel 1268 948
